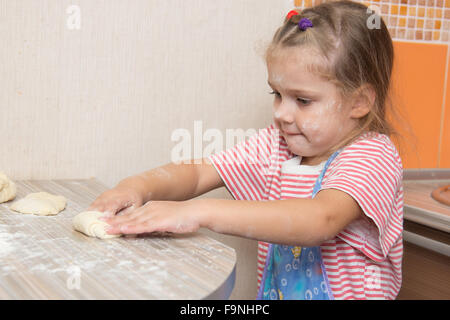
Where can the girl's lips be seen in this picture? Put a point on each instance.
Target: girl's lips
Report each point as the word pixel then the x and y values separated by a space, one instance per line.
pixel 292 134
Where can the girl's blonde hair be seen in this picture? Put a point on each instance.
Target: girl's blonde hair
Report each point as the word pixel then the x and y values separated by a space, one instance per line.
pixel 356 54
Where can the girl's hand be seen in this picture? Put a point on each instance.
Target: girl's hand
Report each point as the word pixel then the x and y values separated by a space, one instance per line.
pixel 158 216
pixel 119 199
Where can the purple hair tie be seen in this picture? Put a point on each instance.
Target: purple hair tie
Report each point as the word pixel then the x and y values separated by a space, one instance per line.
pixel 304 24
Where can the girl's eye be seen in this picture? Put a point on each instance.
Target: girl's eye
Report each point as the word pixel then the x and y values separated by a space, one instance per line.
pixel 304 101
pixel 277 95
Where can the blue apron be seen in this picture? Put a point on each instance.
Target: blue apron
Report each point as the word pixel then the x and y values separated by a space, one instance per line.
pixel 296 273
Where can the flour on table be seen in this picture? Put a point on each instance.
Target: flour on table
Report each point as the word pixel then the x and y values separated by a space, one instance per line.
pixel 88 223
pixel 40 203
pixel 8 188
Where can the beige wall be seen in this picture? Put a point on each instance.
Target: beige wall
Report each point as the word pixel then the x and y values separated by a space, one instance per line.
pixel 103 100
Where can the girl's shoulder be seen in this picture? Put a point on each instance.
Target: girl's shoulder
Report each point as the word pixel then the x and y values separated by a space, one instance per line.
pixel 376 140
pixel 375 146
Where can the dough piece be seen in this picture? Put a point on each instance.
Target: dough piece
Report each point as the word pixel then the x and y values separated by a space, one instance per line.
pixel 87 222
pixel 8 188
pixel 40 203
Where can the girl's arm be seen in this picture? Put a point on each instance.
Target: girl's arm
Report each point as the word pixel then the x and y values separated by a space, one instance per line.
pixel 169 182
pixel 305 222
pixel 176 181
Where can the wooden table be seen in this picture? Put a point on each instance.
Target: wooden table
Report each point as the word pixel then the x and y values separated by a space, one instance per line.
pixel 42 257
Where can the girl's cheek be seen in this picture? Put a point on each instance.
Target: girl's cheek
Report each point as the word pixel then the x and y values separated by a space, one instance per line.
pixel 326 114
pixel 276 113
pixel 310 127
pixel 315 127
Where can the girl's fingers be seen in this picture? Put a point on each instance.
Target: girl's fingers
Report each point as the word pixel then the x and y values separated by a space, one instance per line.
pixel 126 211
pixel 113 207
pixel 139 220
pixel 124 218
pixel 136 228
pixel 140 224
pixel 112 230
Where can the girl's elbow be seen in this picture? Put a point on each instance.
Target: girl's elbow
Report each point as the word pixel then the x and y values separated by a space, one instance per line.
pixel 317 229
pixel 324 231
pixel 329 230
pixel 316 236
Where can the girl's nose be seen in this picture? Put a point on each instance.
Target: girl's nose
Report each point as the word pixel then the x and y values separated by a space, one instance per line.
pixel 284 112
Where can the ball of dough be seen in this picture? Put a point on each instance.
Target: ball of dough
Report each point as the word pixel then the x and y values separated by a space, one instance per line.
pixel 40 203
pixel 8 188
pixel 87 222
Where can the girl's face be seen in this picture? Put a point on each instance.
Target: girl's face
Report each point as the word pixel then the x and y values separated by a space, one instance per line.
pixel 308 109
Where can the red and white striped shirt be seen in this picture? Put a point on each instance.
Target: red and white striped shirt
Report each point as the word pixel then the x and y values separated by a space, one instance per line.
pixel 364 260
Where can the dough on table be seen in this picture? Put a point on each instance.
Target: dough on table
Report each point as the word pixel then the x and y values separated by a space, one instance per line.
pixel 40 203
pixel 87 222
pixel 8 188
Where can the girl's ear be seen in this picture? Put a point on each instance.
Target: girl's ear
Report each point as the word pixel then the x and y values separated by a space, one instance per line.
pixel 363 101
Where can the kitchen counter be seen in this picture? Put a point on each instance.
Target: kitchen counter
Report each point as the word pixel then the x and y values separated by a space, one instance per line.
pixel 419 206
pixel 422 209
pixel 426 257
pixel 42 257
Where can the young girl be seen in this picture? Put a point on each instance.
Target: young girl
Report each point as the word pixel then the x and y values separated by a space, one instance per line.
pixel 320 188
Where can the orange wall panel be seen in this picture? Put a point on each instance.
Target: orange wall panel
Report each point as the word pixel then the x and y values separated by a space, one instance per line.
pixel 444 159
pixel 418 91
